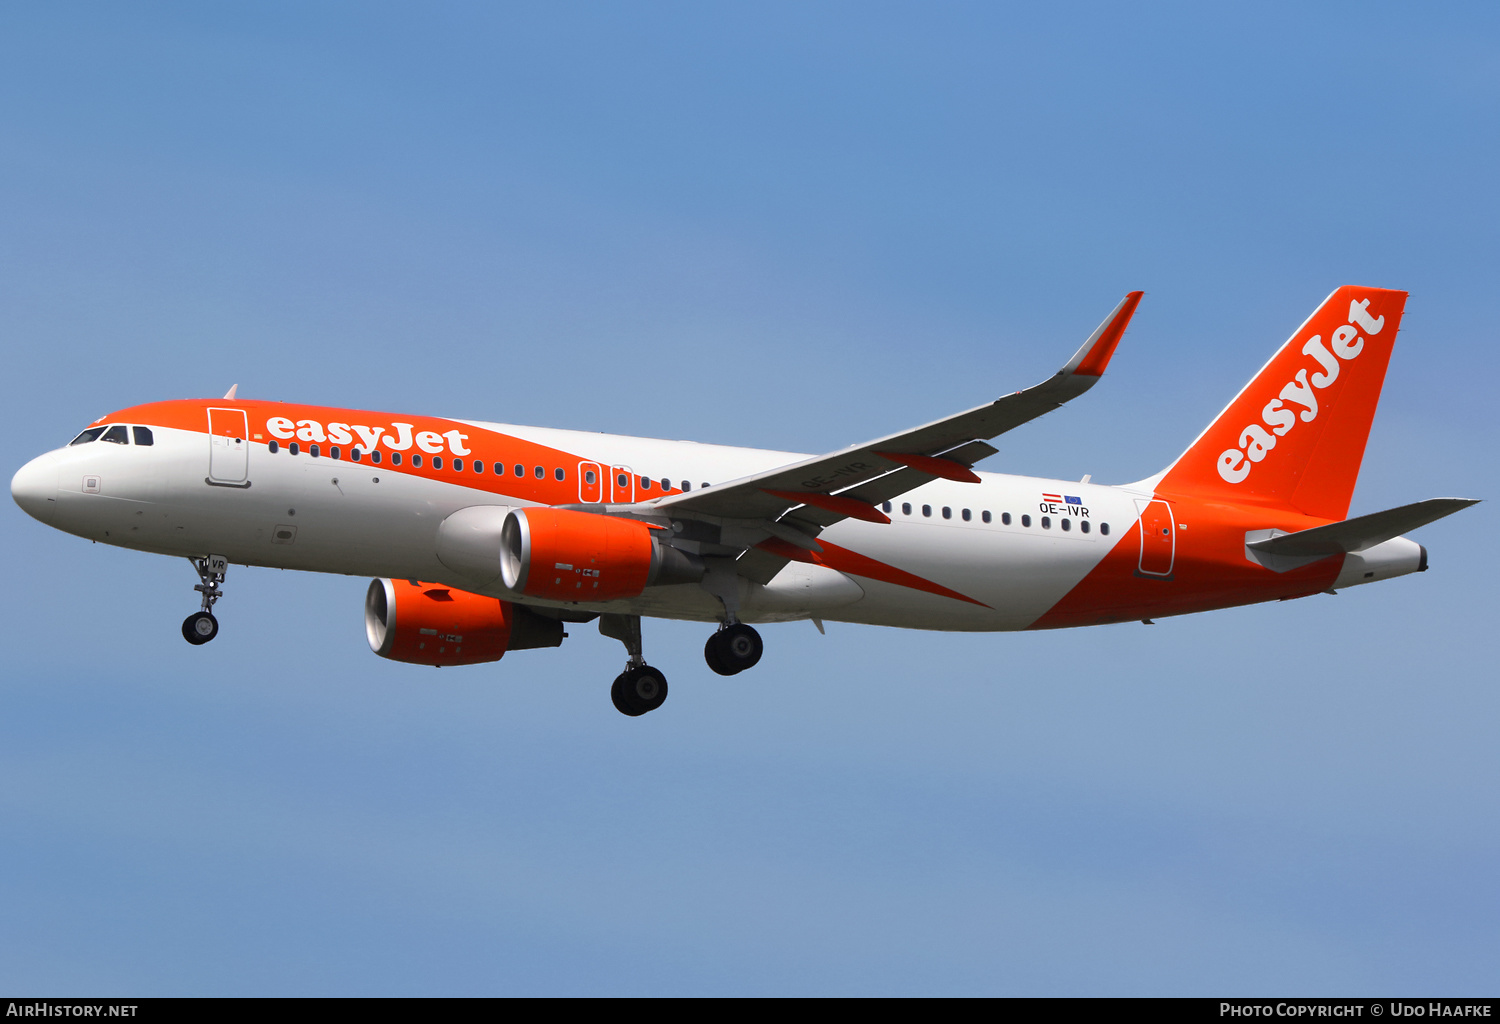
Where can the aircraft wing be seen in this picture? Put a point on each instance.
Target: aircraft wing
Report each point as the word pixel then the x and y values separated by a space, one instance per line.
pixel 818 492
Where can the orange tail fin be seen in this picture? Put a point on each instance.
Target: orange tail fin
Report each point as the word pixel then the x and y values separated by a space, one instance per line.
pixel 1295 436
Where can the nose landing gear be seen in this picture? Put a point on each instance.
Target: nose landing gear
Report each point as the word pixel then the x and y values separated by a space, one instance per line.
pixel 201 626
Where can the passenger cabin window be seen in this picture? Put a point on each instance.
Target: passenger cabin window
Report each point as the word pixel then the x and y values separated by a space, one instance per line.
pixel 1084 526
pixel 143 436
pixel 560 476
pixel 312 450
pixel 458 465
pixel 416 461
pixel 520 470
pixel 947 512
pixel 1066 523
pixel 927 510
pixel 395 458
pixel 91 434
pixel 116 435
pixel 1046 522
pixel 968 515
pixel 906 508
pixel 1104 529
pixel 375 458
pixel 292 448
pixel 687 485
pixel 885 506
pixel 1025 520
pixel 985 515
pixel 333 452
pixel 478 466
pixel 273 447
pixel 1004 518
pixel 588 476
pixel 354 453
pixel 437 462
pixel 499 469
pixel 666 485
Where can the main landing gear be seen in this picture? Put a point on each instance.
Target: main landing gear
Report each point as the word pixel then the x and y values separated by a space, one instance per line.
pixel 734 648
pixel 640 688
pixel 201 626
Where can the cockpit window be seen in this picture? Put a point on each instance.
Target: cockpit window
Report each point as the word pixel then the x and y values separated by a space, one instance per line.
pixel 116 434
pixel 91 434
pixel 142 435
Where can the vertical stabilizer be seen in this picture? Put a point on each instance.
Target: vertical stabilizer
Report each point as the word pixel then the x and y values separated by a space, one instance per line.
pixel 1295 436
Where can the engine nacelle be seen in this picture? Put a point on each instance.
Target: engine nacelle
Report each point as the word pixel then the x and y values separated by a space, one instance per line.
pixel 430 624
pixel 563 555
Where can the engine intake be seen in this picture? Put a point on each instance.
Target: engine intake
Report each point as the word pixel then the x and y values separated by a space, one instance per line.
pixel 563 555
pixel 430 624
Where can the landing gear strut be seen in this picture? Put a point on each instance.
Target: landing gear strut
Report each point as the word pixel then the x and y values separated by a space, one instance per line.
pixel 736 646
pixel 733 649
pixel 201 626
pixel 640 688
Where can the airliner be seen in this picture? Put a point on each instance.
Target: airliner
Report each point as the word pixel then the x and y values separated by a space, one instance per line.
pixel 485 538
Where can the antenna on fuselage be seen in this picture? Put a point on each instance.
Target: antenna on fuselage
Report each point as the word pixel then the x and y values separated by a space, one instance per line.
pixel 231 391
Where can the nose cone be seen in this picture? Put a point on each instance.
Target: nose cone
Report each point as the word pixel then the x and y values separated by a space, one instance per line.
pixel 34 487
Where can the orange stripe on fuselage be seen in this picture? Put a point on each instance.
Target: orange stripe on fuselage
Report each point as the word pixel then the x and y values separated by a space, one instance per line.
pixel 852 562
pixel 477 443
pixel 1210 569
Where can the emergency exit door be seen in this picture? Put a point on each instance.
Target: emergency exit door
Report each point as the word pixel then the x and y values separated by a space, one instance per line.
pixel 621 485
pixel 590 483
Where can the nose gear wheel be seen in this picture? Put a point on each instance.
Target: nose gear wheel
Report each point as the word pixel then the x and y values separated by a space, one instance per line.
pixel 199 628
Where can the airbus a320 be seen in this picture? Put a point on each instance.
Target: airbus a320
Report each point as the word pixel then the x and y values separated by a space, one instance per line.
pixel 486 538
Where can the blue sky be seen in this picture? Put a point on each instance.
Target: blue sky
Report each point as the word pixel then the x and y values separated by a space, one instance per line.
pixel 795 226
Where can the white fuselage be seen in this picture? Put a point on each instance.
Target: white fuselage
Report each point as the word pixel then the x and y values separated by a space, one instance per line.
pixel 356 518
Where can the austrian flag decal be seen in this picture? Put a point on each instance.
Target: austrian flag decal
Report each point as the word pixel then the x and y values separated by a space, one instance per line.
pixel 1062 505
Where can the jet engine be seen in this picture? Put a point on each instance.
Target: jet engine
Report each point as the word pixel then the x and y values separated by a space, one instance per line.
pixel 564 555
pixel 430 624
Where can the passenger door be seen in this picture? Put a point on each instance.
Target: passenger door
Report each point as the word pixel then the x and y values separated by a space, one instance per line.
pixel 228 448
pixel 1158 539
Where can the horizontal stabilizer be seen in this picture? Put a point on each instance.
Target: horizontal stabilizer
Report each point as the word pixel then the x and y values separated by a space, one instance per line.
pixel 1361 532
